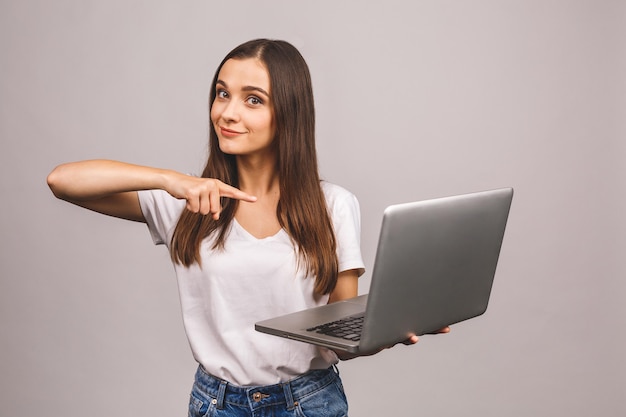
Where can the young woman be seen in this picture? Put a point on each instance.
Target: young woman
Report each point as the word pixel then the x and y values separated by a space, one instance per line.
pixel 257 235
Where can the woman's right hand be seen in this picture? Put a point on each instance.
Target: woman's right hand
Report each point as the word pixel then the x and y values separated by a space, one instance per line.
pixel 110 187
pixel 203 194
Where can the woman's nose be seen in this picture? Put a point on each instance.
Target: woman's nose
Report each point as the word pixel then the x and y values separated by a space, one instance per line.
pixel 231 111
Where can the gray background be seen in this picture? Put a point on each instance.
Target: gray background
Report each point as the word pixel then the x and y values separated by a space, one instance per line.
pixel 415 99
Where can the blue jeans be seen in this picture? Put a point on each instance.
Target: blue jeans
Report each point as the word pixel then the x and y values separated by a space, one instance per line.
pixel 317 393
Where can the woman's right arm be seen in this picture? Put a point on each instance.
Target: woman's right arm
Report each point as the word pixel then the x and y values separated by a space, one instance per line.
pixel 110 187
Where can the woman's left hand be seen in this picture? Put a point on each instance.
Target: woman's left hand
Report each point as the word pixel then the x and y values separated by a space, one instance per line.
pixel 344 356
pixel 414 339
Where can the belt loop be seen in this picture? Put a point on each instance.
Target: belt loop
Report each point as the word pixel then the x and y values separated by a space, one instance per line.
pixel 336 369
pixel 288 397
pixel 221 393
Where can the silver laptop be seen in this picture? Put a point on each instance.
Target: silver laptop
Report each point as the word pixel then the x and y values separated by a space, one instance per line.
pixel 434 267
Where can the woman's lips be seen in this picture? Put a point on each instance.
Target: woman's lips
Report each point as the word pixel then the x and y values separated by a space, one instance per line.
pixel 229 133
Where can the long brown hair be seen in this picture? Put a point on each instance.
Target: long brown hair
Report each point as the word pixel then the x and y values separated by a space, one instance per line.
pixel 302 210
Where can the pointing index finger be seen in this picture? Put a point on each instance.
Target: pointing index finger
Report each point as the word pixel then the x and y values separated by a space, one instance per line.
pixel 235 193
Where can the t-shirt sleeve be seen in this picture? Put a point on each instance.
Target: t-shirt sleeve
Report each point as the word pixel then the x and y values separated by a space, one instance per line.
pixel 346 217
pixel 161 212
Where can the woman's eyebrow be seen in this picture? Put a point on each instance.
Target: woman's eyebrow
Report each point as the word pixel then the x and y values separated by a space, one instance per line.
pixel 253 88
pixel 245 88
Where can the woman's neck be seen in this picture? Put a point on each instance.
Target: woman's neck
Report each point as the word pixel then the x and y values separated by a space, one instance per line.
pixel 258 176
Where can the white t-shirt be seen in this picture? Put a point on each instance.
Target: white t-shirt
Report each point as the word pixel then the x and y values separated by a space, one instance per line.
pixel 250 280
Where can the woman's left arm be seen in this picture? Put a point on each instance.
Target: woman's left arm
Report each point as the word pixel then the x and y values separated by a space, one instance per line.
pixel 347 286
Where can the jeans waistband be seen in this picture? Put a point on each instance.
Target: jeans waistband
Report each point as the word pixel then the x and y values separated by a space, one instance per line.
pixel 255 397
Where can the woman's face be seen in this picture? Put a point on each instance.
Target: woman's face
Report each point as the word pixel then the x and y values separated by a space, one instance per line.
pixel 242 111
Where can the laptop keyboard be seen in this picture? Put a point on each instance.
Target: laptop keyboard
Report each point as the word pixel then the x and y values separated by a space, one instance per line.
pixel 348 328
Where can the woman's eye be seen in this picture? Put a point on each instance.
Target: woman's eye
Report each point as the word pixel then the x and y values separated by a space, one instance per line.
pixel 222 94
pixel 254 101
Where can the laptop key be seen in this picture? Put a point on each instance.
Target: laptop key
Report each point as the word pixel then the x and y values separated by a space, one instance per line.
pixel 348 328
